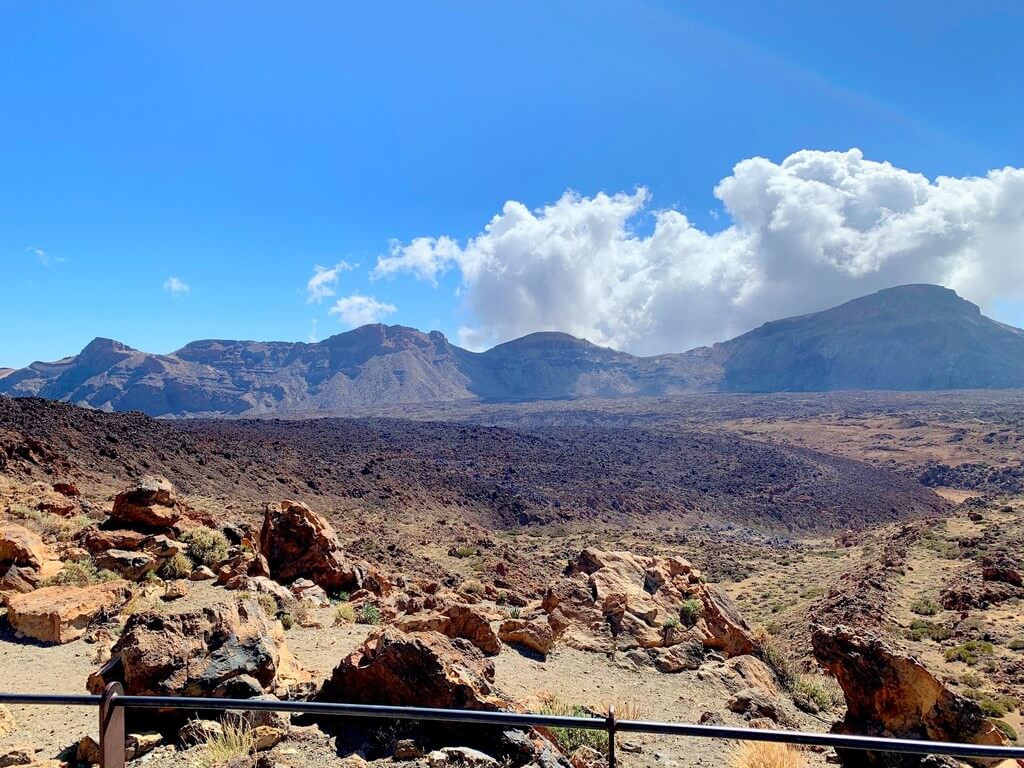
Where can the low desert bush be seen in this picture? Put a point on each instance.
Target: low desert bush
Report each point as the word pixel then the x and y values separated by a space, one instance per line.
pixel 670 623
pixel 1008 730
pixel 368 614
pixel 571 739
pixel 268 604
pixel 344 614
pixel 472 587
pixel 175 567
pixel 925 606
pixel 921 630
pixel 970 652
pixel 465 551
pixel 690 611
pixel 80 575
pixel 513 611
pixel 235 741
pixel 774 657
pixel 1017 644
pixel 64 528
pixel 206 546
pixel 817 693
pixel 761 754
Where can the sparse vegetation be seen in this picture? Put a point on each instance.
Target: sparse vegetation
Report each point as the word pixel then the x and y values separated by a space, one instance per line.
pixel 472 587
pixel 671 622
pixel 773 656
pixel 1017 644
pixel 80 575
pixel 268 604
pixel 690 611
pixel 1008 730
pixel 368 614
pixel 235 741
pixel 760 754
pixel 817 693
pixel 175 567
pixel 513 611
pixel 465 550
pixel 344 614
pixel 970 652
pixel 571 739
pixel 206 546
pixel 921 630
pixel 925 606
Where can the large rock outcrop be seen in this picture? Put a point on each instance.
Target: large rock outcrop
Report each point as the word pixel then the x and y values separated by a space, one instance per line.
pixel 222 650
pixel 621 601
pixel 20 546
pixel 150 503
pixel 456 620
pixel 890 692
pixel 300 544
pixel 428 669
pixel 60 614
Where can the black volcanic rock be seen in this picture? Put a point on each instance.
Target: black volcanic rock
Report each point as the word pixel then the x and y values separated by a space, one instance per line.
pixel 914 337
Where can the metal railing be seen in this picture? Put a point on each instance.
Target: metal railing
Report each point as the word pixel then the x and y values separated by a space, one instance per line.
pixel 113 703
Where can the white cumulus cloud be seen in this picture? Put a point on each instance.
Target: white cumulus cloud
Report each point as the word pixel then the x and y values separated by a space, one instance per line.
pixel 358 310
pixel 176 286
pixel 324 281
pixel 812 231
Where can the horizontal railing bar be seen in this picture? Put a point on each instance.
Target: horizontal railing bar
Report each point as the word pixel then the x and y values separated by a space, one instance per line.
pixel 842 741
pixel 46 699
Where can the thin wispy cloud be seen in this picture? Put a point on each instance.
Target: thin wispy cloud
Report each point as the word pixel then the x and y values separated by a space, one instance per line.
pixel 324 281
pixel 356 310
pixel 43 257
pixel 176 286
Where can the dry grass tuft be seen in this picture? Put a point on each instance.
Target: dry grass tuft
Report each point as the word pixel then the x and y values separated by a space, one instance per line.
pixel 234 741
pixel 763 754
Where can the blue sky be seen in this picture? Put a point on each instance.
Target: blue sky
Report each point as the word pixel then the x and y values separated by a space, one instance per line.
pixel 234 146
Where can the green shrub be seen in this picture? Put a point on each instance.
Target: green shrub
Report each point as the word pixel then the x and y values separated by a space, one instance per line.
pixel 341 596
pixel 690 611
pixel 344 614
pixel 970 652
pixel 671 622
pixel 176 567
pixel 925 606
pixel 921 630
pixel 813 693
pixel 571 739
pixel 368 614
pixel 206 546
pixel 80 575
pixel 287 621
pixel 1007 729
pixel 514 611
pixel 465 551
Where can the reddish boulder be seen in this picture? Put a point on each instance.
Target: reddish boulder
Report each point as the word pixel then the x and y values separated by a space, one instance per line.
pixel 534 634
pixel 1000 566
pixel 425 669
pixel 98 540
pixel 300 544
pixel 149 504
pixel 60 614
pixel 210 651
pixel 20 546
pixel 457 620
pixel 890 692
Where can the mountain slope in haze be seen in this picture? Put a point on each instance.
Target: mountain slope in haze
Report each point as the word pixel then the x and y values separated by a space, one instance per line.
pixel 914 337
pixel 911 337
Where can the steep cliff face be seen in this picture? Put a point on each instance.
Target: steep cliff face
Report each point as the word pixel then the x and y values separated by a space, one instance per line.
pixel 915 337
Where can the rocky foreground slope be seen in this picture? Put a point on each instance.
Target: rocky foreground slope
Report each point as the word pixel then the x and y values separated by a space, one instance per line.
pixel 914 337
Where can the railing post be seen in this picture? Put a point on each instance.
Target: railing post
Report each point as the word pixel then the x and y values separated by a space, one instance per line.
pixel 111 728
pixel 611 735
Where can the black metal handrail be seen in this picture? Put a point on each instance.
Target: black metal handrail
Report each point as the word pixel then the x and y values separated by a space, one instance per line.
pixel 113 703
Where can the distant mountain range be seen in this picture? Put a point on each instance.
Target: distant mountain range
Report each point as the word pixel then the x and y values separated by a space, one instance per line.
pixel 913 337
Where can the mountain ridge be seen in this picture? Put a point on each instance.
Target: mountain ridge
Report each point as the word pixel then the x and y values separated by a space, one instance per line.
pixel 904 338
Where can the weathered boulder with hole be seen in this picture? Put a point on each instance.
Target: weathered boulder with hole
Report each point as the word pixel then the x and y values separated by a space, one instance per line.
pixel 62 613
pixel 620 601
pixel 223 650
pixel 300 544
pixel 428 669
pixel 889 692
